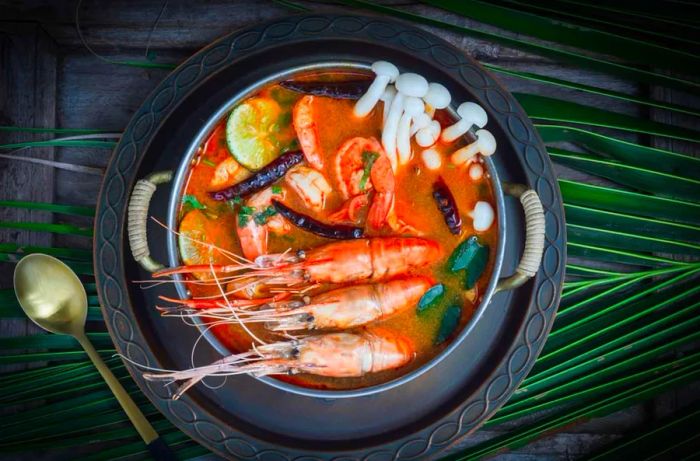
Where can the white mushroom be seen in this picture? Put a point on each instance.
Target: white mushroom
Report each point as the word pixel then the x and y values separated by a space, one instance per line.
pixel 420 121
pixel 429 135
pixel 386 73
pixel 412 85
pixel 437 97
pixel 471 115
pixel 482 216
pixel 411 108
pixel 485 145
pixel 386 98
pixel 391 126
pixel 431 159
pixel 476 171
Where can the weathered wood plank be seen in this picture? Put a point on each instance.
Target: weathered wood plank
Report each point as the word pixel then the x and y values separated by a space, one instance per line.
pixel 27 98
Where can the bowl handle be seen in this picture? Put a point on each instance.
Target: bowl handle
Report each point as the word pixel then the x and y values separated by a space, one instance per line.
pixel 534 237
pixel 137 218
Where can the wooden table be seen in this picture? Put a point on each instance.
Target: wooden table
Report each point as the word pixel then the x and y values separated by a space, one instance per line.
pixel 50 79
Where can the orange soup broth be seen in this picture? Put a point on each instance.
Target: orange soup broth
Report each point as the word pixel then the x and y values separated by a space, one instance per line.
pixel 414 204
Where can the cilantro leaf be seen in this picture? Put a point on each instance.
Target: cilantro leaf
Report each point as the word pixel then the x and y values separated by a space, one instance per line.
pixel 262 217
pixel 192 201
pixel 368 159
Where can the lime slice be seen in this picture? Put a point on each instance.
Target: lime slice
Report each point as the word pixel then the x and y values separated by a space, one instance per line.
pixel 250 132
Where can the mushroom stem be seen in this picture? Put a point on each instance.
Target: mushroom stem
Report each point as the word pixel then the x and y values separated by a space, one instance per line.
pixel 429 135
pixel 366 103
pixel 485 144
pixel 431 159
pixel 462 156
pixel 483 216
pixel 391 127
pixel 420 121
pixel 387 97
pixel 412 108
pixel 403 139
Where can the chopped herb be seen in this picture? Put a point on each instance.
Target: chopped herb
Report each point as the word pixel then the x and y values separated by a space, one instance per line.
pixel 208 162
pixel 368 159
pixel 276 189
pixel 233 202
pixel 192 201
pixel 294 145
pixel 451 166
pixel 449 323
pixel 283 96
pixel 284 120
pixel 244 214
pixel 431 297
pixel 262 217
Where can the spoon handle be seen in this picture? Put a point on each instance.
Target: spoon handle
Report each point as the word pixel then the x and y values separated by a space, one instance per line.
pixel 155 444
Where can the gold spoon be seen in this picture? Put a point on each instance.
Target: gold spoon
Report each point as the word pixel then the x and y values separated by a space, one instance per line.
pixel 54 298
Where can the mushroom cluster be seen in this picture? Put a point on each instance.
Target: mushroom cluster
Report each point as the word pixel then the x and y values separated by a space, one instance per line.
pixel 410 102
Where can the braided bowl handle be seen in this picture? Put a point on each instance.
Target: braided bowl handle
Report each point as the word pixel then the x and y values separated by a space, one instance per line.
pixel 534 237
pixel 137 218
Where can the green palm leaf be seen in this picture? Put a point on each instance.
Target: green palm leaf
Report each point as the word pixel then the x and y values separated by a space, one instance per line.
pixel 575 58
pixel 557 110
pixel 633 154
pixel 544 28
pixel 606 198
pixel 644 180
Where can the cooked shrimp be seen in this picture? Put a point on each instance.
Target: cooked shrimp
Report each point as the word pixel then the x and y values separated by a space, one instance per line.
pixel 336 355
pixel 307 133
pixel 253 234
pixel 227 173
pixel 350 211
pixel 311 186
pixel 372 259
pixel 341 309
pixel 352 162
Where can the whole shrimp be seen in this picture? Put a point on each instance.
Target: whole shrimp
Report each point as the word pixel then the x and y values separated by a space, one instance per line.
pixel 336 355
pixel 360 166
pixel 340 309
pixel 307 132
pixel 373 259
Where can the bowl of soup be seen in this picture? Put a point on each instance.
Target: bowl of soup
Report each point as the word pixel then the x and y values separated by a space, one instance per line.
pixel 335 229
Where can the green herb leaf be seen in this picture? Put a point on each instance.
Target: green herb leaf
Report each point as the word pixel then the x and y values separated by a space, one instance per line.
pixel 368 158
pixel 450 320
pixel 244 214
pixel 276 189
pixel 262 217
pixel 472 256
pixel 431 297
pixel 208 162
pixel 192 201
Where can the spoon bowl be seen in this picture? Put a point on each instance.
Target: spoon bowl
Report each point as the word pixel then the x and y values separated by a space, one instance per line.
pixel 51 294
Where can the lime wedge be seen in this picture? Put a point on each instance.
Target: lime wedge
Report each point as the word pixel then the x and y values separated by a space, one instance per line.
pixel 250 132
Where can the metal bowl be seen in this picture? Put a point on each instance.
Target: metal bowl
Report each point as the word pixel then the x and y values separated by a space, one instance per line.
pixel 425 409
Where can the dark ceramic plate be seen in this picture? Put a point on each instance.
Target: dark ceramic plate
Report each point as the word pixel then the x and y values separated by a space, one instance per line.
pixel 248 419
